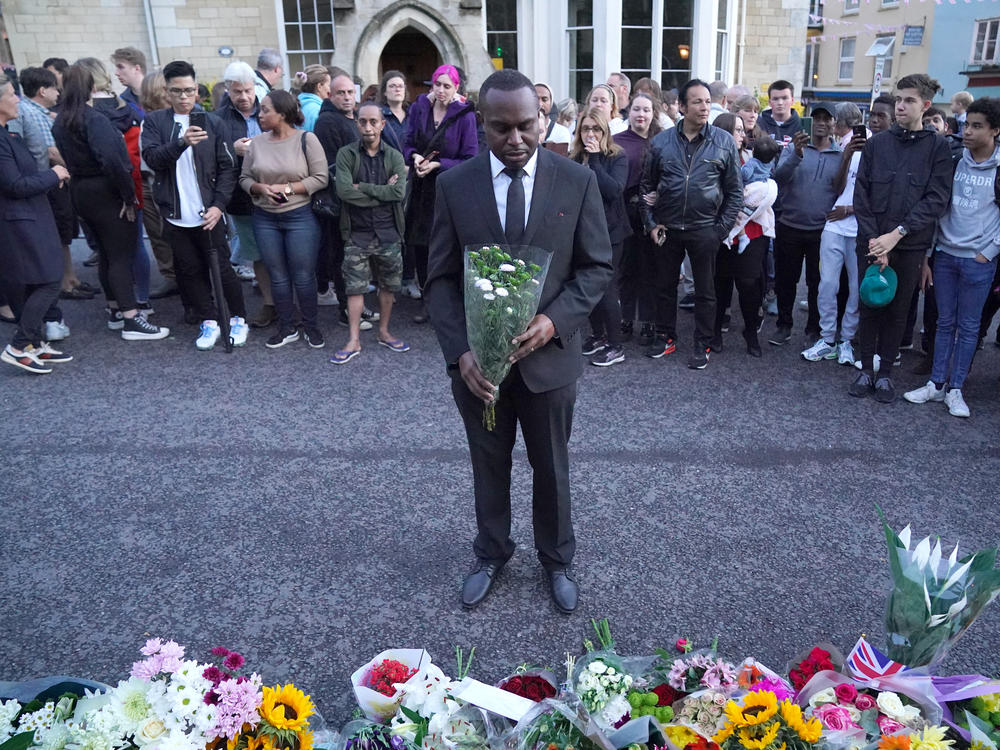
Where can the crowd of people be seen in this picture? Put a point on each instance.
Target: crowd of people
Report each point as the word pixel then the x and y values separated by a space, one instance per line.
pixel 321 196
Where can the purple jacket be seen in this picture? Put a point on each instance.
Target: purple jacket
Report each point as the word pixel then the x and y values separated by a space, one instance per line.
pixel 459 142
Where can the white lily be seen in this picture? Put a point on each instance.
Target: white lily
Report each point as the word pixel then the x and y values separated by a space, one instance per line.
pixel 904 537
pixel 935 559
pixel 922 553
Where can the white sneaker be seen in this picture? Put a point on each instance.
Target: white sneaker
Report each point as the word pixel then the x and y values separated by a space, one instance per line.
pixel 209 335
pixel 245 272
pixel 846 353
pixel 238 330
pixel 820 350
pixel 56 330
pixel 925 393
pixel 955 403
pixel 327 298
pixel 411 290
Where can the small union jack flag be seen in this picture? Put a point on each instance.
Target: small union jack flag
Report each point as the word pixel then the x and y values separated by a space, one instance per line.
pixel 865 662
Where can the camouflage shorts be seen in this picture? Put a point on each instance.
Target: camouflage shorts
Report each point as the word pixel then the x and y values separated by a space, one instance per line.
pixel 387 262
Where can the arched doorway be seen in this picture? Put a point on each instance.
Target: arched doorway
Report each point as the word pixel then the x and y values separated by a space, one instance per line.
pixel 412 53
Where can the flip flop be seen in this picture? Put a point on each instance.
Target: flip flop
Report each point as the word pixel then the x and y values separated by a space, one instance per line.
pixel 344 356
pixel 396 345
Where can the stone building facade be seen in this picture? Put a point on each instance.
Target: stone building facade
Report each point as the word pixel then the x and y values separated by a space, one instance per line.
pixel 570 44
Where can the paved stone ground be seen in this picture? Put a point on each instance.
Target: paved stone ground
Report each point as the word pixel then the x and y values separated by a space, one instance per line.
pixel 311 515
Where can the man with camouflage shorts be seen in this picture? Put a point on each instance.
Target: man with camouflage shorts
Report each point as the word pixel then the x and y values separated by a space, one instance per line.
pixel 371 183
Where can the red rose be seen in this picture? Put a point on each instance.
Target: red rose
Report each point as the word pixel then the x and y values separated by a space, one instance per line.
pixel 513 685
pixel 666 694
pixel 846 693
pixel 532 692
pixel 798 679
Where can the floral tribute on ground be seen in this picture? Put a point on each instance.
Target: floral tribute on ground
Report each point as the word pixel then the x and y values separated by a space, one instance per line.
pixel 681 698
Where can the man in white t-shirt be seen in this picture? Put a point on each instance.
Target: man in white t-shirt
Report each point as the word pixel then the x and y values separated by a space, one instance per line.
pixel 837 248
pixel 554 133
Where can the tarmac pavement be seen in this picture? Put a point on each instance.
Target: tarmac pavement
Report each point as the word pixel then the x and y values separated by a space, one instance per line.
pixel 310 515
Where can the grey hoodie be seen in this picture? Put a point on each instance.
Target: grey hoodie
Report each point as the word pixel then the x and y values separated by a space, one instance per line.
pixel 805 185
pixel 972 223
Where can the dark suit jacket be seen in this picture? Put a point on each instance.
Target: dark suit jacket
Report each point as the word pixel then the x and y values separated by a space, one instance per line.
pixel 566 218
pixel 30 250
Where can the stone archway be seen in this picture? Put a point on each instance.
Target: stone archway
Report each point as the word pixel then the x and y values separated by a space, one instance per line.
pixel 414 55
pixel 405 14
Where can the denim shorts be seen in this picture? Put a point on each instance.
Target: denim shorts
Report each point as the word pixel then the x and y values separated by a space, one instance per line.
pixel 358 262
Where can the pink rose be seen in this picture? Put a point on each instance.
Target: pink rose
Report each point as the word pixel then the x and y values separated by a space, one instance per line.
pixel 834 717
pixel 887 725
pixel 846 692
pixel 864 702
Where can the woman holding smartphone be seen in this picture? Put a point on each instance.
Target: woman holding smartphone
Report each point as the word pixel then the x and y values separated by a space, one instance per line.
pixel 282 169
pixel 593 147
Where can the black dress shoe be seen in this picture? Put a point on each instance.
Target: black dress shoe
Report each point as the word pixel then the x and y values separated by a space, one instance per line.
pixel 565 592
pixel 479 582
pixel 753 343
pixel 862 386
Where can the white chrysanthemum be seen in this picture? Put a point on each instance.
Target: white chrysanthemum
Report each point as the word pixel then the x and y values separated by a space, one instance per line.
pixel 41 720
pixel 485 284
pixel 501 292
pixel 129 702
pixel 520 262
pixel 489 296
pixel 507 268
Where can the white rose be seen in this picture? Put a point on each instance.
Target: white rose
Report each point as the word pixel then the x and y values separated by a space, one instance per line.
pixel 149 731
pixel 823 696
pixel 910 717
pixel 855 713
pixel 890 704
pixel 597 667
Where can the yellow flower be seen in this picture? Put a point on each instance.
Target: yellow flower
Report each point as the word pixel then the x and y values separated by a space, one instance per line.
pixel 751 741
pixel 286 707
pixel 932 738
pixel 680 736
pixel 723 734
pixel 758 708
pixel 811 730
pixel 807 730
pixel 305 741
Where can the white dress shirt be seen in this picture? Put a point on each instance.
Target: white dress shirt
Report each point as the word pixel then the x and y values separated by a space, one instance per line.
pixel 501 181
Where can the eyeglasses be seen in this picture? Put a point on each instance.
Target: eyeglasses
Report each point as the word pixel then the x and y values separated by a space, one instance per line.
pixel 591 129
pixel 183 92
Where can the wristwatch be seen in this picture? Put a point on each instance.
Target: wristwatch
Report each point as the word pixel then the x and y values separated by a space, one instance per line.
pixel 289 191
pixel 902 230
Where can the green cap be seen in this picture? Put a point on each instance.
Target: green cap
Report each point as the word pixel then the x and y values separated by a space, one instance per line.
pixel 878 287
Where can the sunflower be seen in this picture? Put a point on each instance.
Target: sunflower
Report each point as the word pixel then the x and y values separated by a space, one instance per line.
pixel 305 741
pixel 758 708
pixel 932 738
pixel 894 742
pixel 286 707
pixel 750 742
pixel 724 734
pixel 808 730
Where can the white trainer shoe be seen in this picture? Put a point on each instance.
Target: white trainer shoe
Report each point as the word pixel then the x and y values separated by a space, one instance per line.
pixel 56 330
pixel 327 298
pixel 845 354
pixel 820 350
pixel 238 330
pixel 925 393
pixel 209 335
pixel 955 403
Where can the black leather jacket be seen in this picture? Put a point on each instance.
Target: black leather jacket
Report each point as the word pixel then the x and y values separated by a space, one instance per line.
pixel 234 125
pixel 709 193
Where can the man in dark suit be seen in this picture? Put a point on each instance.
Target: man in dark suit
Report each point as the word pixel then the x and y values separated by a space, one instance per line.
pixel 518 194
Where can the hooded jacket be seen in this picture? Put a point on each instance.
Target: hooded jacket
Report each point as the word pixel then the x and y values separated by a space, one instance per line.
pixel 214 163
pixel 904 179
pixel 806 185
pixel 971 225
pixel 782 132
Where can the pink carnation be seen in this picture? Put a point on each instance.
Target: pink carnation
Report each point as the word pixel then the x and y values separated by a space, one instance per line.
pixel 220 651
pixel 887 725
pixel 233 661
pixel 834 717
pixel 864 702
pixel 846 693
pixel 145 670
pixel 170 664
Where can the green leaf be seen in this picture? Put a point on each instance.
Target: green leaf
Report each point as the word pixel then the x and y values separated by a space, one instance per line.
pixel 19 741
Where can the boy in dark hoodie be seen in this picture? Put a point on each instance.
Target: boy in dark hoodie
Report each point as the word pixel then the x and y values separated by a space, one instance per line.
pixel 781 122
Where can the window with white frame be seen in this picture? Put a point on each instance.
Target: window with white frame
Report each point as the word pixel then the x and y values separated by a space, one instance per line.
pixel 883 46
pixel 637 39
pixel 846 69
pixel 812 64
pixel 309 32
pixel 984 42
pixel 890 3
pixel 852 6
pixel 580 29
pixel 678 24
pixel 722 40
pixel 501 31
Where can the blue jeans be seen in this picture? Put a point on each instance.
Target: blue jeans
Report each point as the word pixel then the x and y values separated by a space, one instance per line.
pixel 288 244
pixel 960 287
pixel 141 267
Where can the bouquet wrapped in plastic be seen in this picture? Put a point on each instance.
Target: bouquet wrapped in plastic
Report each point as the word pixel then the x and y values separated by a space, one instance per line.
pixel 377 684
pixel 934 598
pixel 502 287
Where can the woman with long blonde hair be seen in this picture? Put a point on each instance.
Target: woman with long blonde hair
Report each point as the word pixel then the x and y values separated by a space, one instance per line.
pixel 594 148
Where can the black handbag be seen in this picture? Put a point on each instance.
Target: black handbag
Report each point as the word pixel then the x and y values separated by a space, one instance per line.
pixel 323 202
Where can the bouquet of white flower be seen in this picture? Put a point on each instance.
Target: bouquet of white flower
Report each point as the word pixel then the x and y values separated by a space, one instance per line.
pixel 502 288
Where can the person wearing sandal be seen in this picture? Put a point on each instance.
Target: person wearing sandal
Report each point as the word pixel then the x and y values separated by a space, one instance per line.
pixel 30 253
pixel 371 183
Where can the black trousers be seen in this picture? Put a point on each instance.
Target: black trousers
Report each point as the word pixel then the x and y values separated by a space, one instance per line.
pixel 745 271
pixel 330 261
pixel 791 247
pixel 880 329
pixel 606 318
pixel 39 299
pixel 991 306
pixel 191 246
pixel 637 287
pixel 99 205
pixel 546 421
pixel 701 246
pixel 420 254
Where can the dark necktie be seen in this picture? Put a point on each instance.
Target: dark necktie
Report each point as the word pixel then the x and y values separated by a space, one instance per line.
pixel 514 223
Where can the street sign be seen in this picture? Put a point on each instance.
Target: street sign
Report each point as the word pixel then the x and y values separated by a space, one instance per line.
pixel 877 82
pixel 913 36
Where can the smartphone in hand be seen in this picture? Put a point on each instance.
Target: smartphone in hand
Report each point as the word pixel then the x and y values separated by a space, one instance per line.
pixel 807 125
pixel 198 120
pixel 860 131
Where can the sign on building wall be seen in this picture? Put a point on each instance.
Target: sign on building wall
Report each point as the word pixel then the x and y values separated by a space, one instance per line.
pixel 877 81
pixel 913 36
